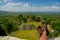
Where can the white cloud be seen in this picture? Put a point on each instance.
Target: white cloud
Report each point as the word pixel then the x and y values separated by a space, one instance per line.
pixel 50 7
pixel 26 5
pixel 46 8
pixel 54 7
pixel 21 6
pixel 15 7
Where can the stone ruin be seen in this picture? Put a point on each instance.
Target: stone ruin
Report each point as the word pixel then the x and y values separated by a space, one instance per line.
pixel 26 27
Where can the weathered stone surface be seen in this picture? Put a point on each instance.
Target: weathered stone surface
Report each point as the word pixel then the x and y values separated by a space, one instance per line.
pixel 57 38
pixel 9 38
pixel 26 27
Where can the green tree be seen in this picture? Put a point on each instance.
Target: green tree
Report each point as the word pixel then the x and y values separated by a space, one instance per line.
pixel 37 19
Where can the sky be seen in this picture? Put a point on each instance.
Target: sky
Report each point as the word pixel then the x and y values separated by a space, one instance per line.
pixel 30 5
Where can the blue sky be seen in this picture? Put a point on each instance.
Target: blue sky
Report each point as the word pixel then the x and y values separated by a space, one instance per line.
pixel 30 5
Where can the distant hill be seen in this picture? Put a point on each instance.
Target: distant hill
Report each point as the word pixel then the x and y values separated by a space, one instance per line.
pixel 26 13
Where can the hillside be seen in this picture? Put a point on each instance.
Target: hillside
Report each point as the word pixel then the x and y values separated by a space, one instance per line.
pixel 24 24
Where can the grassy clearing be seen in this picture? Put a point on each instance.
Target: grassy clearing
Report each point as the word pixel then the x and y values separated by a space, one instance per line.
pixel 26 34
pixel 34 23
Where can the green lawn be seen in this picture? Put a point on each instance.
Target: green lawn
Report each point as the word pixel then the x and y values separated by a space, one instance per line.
pixel 26 34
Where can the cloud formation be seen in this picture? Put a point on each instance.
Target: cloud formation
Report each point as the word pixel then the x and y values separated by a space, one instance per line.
pixel 21 6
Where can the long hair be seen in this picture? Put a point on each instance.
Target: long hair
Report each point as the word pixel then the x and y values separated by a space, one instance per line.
pixel 46 27
pixel 39 31
pixel 39 27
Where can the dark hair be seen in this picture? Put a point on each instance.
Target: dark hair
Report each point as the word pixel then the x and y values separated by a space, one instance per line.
pixel 44 22
pixel 39 27
pixel 46 28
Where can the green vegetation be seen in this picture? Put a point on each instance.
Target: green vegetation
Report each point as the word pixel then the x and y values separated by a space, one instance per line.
pixel 26 34
pixel 13 22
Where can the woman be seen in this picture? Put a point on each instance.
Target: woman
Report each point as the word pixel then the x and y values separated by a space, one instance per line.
pixel 43 31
